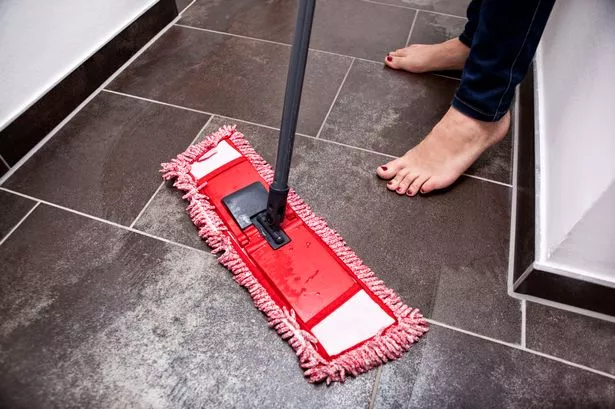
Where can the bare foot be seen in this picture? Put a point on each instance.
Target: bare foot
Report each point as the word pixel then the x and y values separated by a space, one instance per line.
pixel 419 58
pixel 450 149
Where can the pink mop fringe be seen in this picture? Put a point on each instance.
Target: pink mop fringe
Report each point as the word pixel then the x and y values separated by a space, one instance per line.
pixel 386 346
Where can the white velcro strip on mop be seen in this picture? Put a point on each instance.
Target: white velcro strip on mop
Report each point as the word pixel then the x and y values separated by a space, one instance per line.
pixel 355 321
pixel 222 154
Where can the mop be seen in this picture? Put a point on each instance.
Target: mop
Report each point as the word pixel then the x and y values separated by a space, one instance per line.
pixel 314 290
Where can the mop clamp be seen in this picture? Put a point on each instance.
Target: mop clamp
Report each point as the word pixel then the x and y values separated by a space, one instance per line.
pixel 274 235
pixel 276 205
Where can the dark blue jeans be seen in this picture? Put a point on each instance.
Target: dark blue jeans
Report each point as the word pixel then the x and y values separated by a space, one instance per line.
pixel 502 36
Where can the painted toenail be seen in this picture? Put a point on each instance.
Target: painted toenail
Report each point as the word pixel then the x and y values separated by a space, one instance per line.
pixel 389 58
pixel 384 168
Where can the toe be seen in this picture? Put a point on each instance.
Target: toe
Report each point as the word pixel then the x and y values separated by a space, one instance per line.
pixel 392 61
pixel 394 183
pixel 416 185
pixel 389 170
pixel 405 183
pixel 430 185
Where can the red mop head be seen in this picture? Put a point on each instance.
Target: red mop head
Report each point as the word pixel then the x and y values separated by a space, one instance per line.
pixel 317 294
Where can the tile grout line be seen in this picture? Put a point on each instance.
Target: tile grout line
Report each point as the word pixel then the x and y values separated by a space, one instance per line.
pixel 250 123
pixel 201 130
pixel 193 110
pixel 524 324
pixel 399 6
pixel 207 30
pixel 569 363
pixel 198 111
pixel 151 199
pixel 339 90
pixel 350 146
pixel 146 205
pixel 180 12
pixel 4 161
pixel 372 398
pixel 416 14
pixel 521 348
pixel 523 276
pixel 300 134
pixel 497 182
pixel 94 93
pixel 19 223
pixel 114 224
pixel 396 157
pixel 444 76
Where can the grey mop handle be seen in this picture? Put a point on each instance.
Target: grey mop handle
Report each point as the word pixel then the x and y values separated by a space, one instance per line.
pixel 278 191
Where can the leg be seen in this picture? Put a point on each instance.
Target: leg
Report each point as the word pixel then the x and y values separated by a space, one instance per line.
pixel 473 14
pixel 449 55
pixel 502 49
pixel 503 46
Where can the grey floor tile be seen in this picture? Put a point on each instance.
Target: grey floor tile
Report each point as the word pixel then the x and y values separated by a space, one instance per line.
pixel 449 369
pixel 431 28
pixel 350 27
pixel 433 250
pixel 95 316
pixel 574 337
pixel 454 7
pixel 231 76
pixel 105 161
pixel 390 111
pixel 12 209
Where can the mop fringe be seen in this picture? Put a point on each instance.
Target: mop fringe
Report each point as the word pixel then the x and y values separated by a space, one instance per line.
pixel 390 344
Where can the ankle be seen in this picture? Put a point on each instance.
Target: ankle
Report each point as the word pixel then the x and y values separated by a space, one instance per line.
pixel 488 132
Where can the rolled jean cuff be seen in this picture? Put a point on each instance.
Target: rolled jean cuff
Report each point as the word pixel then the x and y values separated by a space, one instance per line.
pixel 465 40
pixel 467 109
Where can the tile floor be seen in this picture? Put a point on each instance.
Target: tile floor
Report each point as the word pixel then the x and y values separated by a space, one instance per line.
pixel 109 299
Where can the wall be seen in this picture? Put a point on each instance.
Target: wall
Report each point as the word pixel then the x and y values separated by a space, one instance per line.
pixel 43 41
pixel 576 115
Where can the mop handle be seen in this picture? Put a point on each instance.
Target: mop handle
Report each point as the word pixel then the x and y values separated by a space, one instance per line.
pixel 278 191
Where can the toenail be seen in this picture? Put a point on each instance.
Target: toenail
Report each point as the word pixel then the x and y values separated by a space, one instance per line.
pixel 383 167
pixel 390 182
pixel 389 58
pixel 399 190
